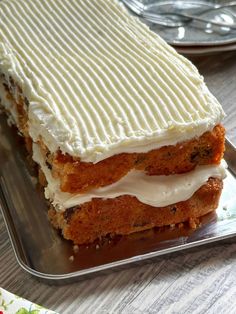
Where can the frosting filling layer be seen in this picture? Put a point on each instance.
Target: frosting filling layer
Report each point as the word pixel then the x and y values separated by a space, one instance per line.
pixel 114 87
pixel 156 191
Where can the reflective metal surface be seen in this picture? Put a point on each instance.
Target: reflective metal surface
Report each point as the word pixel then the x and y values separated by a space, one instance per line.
pixel 42 252
pixel 180 13
pixel 193 32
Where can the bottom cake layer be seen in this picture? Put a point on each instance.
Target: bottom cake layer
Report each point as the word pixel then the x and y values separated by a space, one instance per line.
pixel 125 214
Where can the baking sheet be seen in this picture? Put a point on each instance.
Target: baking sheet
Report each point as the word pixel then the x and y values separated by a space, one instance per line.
pixel 42 252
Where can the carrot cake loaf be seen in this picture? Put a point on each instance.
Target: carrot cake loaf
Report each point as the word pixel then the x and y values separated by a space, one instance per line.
pixel 124 131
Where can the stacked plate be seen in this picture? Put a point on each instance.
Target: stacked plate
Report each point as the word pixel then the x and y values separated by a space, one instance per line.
pixel 195 37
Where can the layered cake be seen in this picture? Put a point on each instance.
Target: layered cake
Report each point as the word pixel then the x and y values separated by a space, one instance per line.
pixel 124 131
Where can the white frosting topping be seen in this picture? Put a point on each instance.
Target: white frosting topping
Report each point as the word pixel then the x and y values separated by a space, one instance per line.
pixel 152 190
pixel 98 81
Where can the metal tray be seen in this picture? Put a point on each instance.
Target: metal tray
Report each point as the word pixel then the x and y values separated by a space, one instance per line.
pixel 42 252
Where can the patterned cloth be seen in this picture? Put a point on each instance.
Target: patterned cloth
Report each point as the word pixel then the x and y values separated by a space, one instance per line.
pixel 12 304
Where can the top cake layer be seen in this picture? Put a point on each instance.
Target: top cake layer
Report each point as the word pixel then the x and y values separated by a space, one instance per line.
pixel 97 81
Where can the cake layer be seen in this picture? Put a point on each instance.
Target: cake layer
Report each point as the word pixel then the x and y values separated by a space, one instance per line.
pixel 114 87
pixel 79 177
pixel 76 176
pixel 151 190
pixel 8 103
pixel 125 214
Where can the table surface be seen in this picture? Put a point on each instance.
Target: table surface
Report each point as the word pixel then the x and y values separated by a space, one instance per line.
pixel 199 281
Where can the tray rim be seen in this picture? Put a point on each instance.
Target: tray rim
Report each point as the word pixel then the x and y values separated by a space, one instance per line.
pixel 115 265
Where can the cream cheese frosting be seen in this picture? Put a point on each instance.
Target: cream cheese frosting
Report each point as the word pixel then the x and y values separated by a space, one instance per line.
pixel 156 191
pixel 98 81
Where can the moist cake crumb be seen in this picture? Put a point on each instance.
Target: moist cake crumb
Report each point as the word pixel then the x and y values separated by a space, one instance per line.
pixel 71 258
pixel 76 248
pixel 194 223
